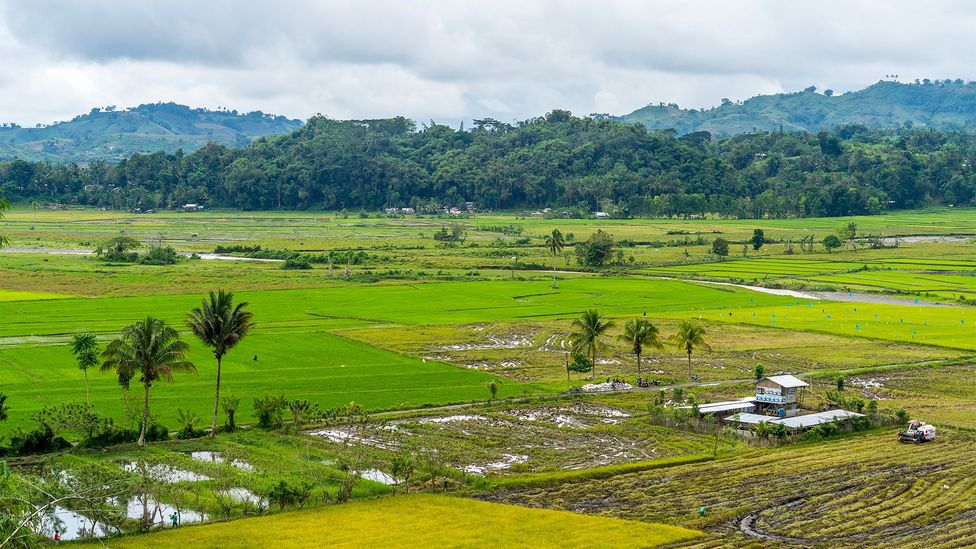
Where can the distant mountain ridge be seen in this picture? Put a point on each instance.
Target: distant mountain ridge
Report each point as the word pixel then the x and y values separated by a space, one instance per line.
pixel 941 104
pixel 110 134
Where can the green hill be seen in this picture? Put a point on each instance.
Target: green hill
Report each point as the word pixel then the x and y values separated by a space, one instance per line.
pixel 941 104
pixel 108 134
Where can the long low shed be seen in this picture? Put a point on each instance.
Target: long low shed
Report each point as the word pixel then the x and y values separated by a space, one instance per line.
pixel 796 422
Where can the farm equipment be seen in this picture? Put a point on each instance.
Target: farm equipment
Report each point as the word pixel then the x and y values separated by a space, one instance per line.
pixel 917 432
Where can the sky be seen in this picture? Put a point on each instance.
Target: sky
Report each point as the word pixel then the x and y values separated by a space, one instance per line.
pixel 454 60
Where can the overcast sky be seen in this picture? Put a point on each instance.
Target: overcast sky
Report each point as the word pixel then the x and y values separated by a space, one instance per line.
pixel 454 60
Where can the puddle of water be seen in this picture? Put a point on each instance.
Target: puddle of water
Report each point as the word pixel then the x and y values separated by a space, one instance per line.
pixel 163 472
pixel 507 463
pixel 451 419
pixel 243 495
pixel 158 514
pixel 342 436
pixel 376 475
pixel 513 342
pixel 72 526
pixel 217 457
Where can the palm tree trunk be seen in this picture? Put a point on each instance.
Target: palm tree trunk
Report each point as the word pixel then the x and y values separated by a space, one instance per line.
pixel 554 273
pixel 568 380
pixel 689 362
pixel 213 424
pixel 87 392
pixel 638 364
pixel 593 362
pixel 145 416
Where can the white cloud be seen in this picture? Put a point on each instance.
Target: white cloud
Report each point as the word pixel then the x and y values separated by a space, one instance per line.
pixel 451 59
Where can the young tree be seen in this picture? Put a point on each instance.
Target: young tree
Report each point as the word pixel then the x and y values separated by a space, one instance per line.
pixel 4 206
pixel 580 365
pixel 640 333
pixel 720 247
pixel 230 405
pixel 760 371
pixel 596 251
pixel 492 391
pixel 848 232
pixel 555 244
pixel 85 348
pixel 690 334
pixel 151 350
pixel 590 328
pixel 758 239
pixel 831 242
pixel 220 325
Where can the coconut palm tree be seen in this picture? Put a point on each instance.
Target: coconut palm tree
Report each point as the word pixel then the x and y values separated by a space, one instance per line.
pixel 590 328
pixel 85 348
pixel 690 334
pixel 220 325
pixel 640 333
pixel 555 243
pixel 151 350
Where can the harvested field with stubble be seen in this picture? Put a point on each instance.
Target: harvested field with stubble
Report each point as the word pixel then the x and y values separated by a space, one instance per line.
pixel 863 491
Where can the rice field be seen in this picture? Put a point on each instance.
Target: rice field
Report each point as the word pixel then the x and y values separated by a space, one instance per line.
pixel 418 521
pixel 865 491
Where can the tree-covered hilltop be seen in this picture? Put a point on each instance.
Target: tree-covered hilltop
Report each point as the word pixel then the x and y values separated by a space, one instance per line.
pixel 111 134
pixel 557 161
pixel 942 104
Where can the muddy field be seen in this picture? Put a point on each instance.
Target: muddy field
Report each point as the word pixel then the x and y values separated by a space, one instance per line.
pixel 862 491
pixel 564 436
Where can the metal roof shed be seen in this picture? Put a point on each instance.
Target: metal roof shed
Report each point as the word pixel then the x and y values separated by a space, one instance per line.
pixel 811 420
pixel 788 381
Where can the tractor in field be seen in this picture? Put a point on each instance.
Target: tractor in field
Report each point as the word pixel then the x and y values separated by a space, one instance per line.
pixel 917 432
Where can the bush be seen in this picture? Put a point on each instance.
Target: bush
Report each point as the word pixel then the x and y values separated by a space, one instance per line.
pixel 38 441
pixel 596 251
pixel 160 256
pixel 296 263
pixel 270 411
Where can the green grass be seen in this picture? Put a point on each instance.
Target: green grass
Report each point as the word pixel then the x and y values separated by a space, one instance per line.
pixel 420 521
pixel 328 370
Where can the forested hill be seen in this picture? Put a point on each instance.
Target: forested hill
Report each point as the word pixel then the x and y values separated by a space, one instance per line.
pixel 559 161
pixel 942 104
pixel 109 134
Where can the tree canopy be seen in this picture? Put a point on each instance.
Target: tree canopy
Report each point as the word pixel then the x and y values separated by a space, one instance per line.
pixel 557 161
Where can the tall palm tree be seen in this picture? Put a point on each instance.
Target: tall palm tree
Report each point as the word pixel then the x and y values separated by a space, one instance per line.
pixel 555 243
pixel 690 334
pixel 590 328
pixel 85 348
pixel 220 325
pixel 153 351
pixel 640 333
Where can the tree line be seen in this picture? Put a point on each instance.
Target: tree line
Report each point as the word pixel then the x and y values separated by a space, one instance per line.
pixel 558 161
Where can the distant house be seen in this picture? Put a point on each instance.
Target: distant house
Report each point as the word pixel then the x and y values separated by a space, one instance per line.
pixel 601 215
pixel 536 215
pixel 192 208
pixel 407 211
pixel 779 395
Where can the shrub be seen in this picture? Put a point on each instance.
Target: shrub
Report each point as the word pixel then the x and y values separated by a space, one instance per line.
pixel 160 256
pixel 38 441
pixel 270 411
pixel 296 263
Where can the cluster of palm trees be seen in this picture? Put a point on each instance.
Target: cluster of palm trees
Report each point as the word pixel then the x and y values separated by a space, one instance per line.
pixel 153 351
pixel 591 328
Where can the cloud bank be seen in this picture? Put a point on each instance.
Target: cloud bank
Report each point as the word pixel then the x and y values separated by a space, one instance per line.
pixel 452 60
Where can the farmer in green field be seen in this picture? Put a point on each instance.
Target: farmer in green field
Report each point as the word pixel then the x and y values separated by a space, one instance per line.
pixel 175 518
